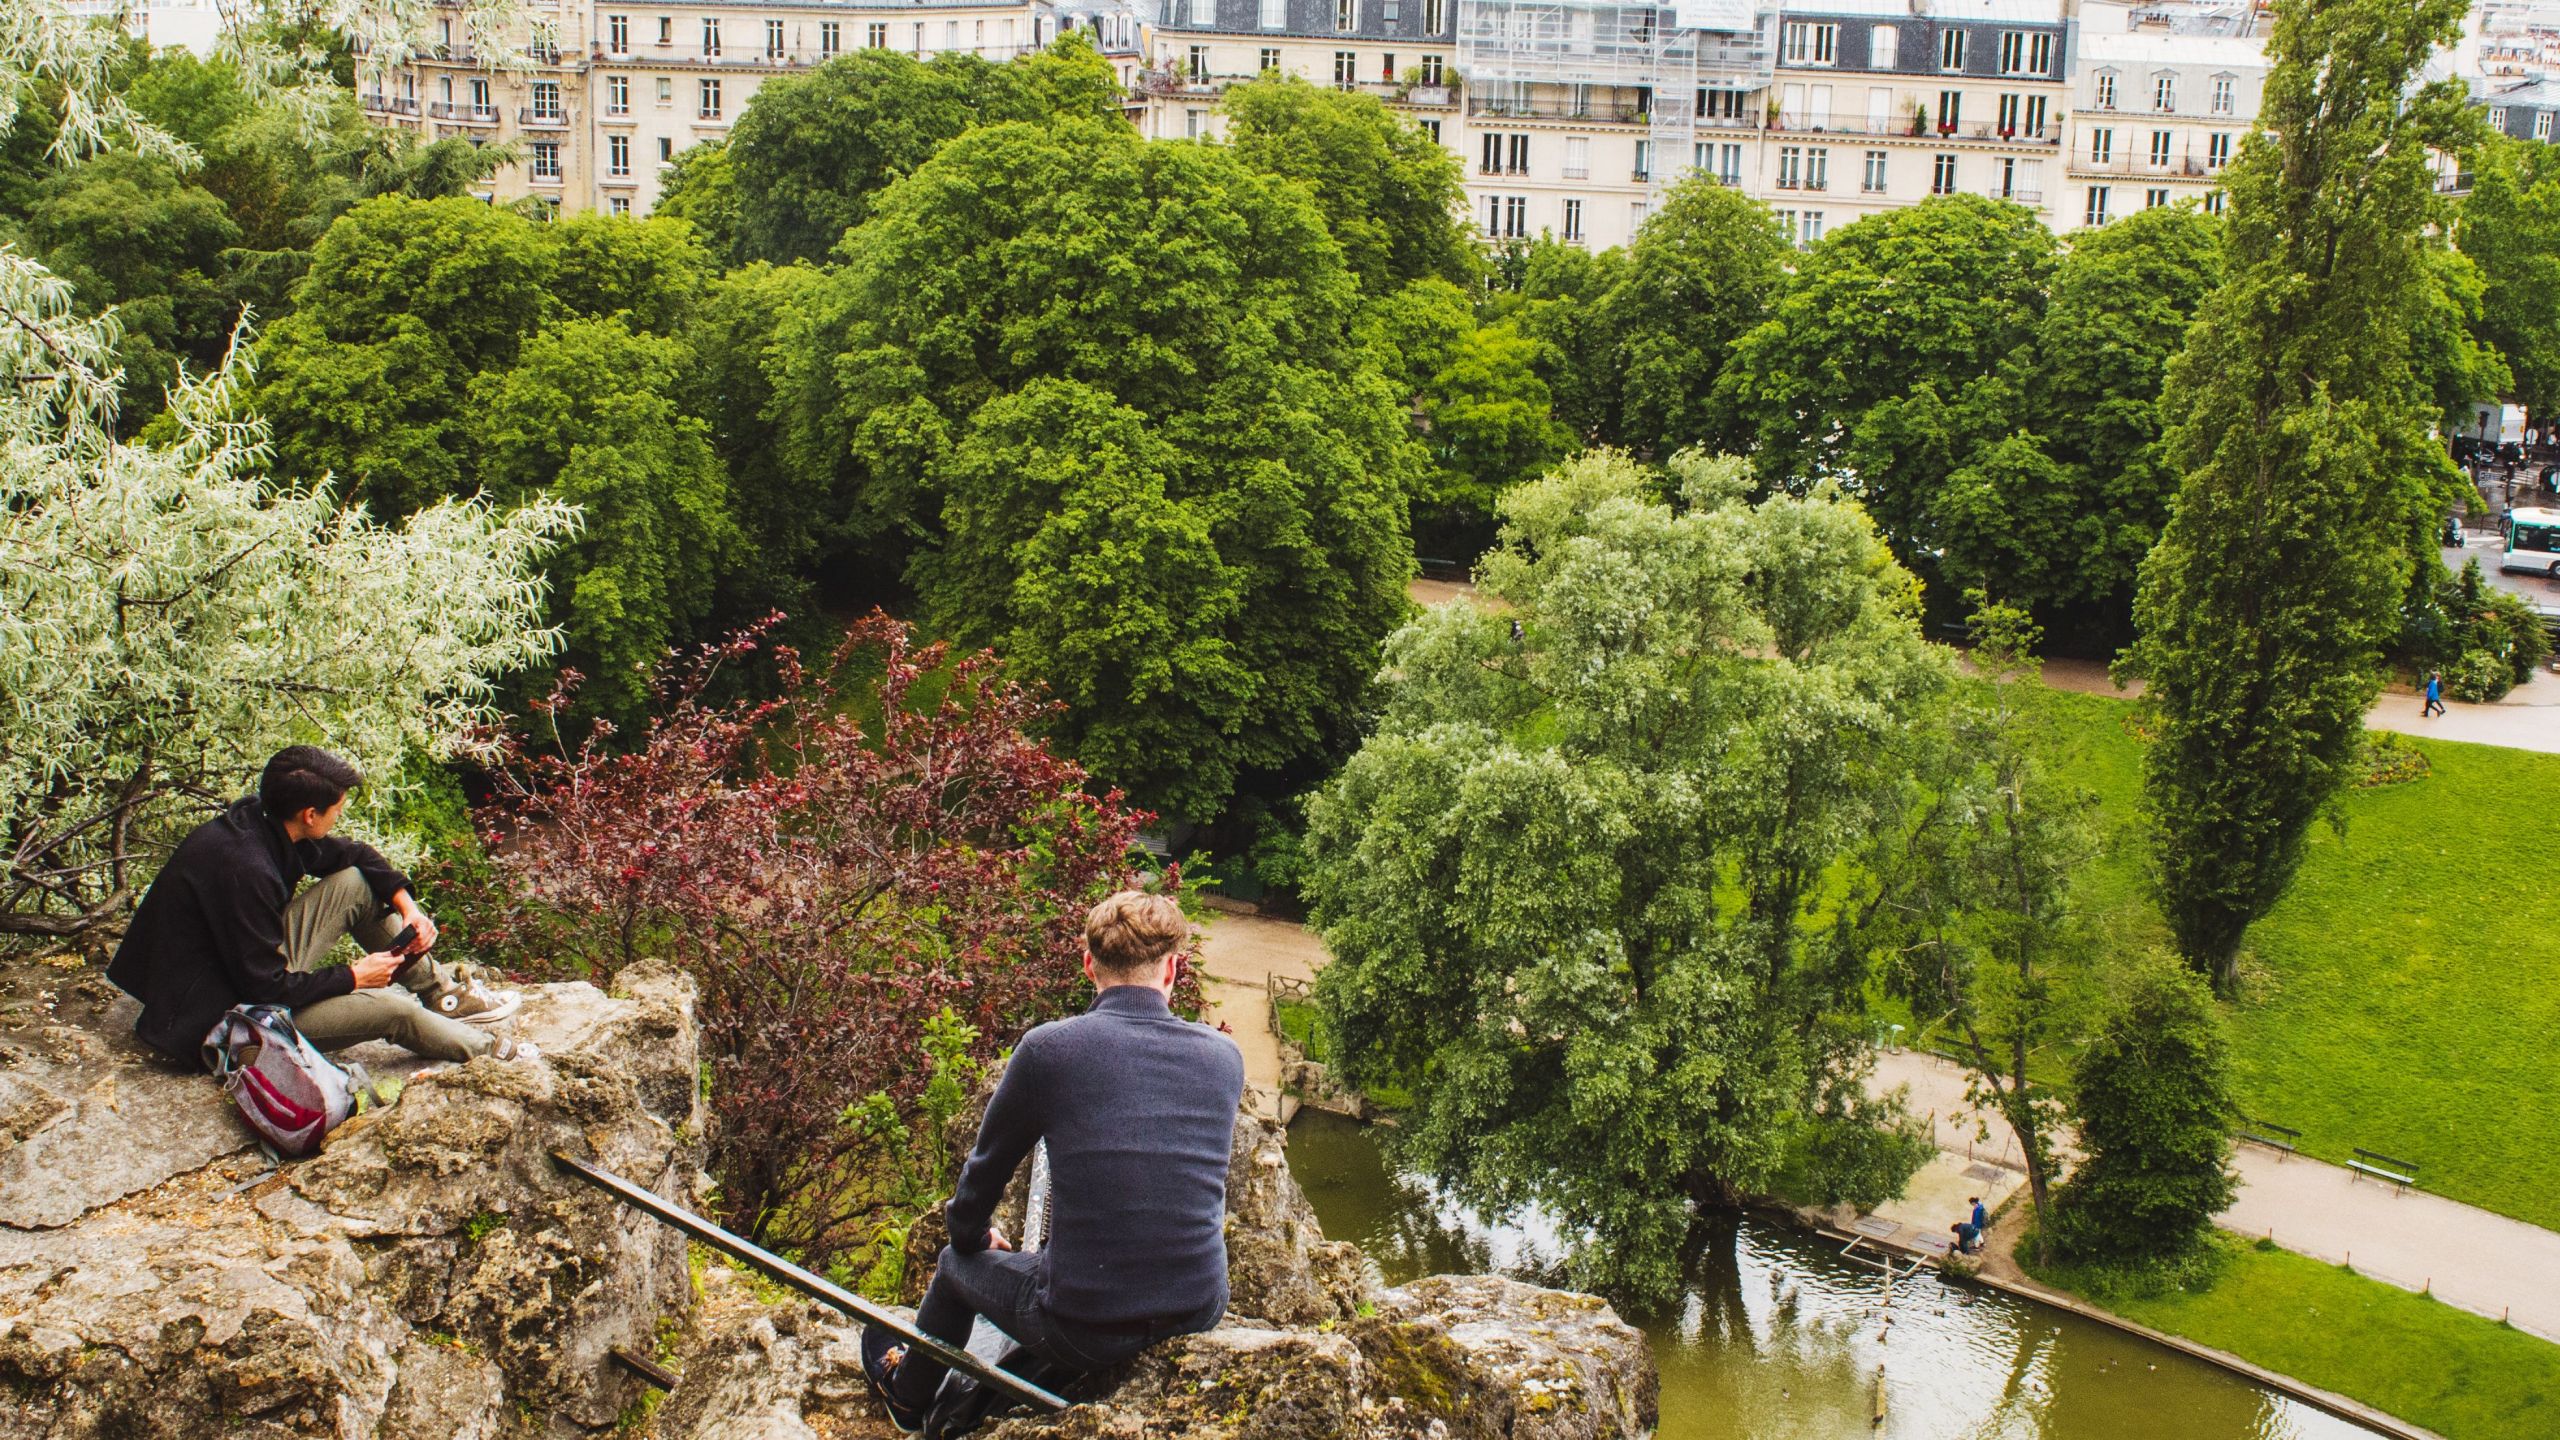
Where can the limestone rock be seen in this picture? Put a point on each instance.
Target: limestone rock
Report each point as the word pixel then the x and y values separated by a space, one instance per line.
pixel 430 1273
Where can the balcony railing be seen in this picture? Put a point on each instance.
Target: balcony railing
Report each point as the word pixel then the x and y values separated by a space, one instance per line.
pixel 1494 108
pixel 391 104
pixel 755 58
pixel 2144 167
pixel 556 118
pixel 1790 183
pixel 467 114
pixel 1990 131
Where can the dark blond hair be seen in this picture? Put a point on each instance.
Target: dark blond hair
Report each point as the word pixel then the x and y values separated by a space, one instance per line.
pixel 1129 932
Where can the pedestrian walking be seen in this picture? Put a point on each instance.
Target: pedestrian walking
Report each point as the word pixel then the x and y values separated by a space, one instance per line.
pixel 2435 695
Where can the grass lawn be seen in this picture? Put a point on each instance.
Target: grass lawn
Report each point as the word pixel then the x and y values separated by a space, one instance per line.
pixel 2405 996
pixel 2451 1371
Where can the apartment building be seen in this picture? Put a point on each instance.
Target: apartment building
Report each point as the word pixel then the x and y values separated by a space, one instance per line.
pixel 615 91
pixel 2161 98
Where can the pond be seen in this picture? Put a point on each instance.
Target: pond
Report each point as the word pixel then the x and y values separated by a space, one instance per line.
pixel 1777 1337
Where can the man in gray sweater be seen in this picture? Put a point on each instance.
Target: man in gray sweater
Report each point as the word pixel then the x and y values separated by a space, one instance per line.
pixel 1138 1107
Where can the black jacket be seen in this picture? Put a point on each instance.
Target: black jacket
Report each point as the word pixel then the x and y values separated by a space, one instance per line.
pixel 1139 1108
pixel 210 933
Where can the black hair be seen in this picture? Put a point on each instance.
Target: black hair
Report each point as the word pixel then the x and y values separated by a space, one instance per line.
pixel 304 777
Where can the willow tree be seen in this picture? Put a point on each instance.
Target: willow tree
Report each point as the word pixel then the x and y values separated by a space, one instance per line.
pixel 1582 884
pixel 2299 418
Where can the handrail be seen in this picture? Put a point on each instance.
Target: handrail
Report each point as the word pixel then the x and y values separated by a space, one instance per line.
pixel 784 1272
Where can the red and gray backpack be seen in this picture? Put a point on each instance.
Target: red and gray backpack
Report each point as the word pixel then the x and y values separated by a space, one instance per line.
pixel 287 1091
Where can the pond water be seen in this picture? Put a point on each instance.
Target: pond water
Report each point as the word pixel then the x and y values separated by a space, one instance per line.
pixel 1778 1337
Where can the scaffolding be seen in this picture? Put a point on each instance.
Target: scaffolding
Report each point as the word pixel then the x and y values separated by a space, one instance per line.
pixel 1667 52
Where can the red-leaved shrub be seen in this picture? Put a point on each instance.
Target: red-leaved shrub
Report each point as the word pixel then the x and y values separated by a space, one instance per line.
pixel 834 867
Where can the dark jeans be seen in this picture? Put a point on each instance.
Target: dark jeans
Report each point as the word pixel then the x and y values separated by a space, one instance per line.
pixel 1004 1286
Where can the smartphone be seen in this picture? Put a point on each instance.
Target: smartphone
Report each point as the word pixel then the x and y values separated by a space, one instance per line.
pixel 408 936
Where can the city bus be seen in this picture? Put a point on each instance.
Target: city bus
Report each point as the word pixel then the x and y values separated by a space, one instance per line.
pixel 2533 543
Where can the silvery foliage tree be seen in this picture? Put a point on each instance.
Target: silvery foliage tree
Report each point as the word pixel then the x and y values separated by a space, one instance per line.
pixel 1582 884
pixel 169 617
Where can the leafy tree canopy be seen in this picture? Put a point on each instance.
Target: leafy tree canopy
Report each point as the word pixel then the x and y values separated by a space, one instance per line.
pixel 1171 295
pixel 1701 274
pixel 1392 196
pixel 2510 228
pixel 811 154
pixel 2152 1095
pixel 1581 885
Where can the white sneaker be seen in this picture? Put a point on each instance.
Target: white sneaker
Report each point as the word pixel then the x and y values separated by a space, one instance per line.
pixel 511 1048
pixel 471 1002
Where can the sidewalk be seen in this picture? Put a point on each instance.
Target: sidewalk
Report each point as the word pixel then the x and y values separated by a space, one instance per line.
pixel 2483 1262
pixel 1239 952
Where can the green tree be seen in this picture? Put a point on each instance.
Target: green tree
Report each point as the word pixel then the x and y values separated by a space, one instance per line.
pixel 1489 424
pixel 1581 887
pixel 1933 301
pixel 587 416
pixel 2152 1096
pixel 1391 195
pixel 2510 228
pixel 1559 303
pixel 1195 293
pixel 1973 904
pixel 650 271
pixel 701 189
pixel 729 385
pixel 1701 274
pixel 812 153
pixel 2300 420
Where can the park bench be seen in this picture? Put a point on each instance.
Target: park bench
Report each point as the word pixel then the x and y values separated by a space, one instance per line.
pixel 2271 1135
pixel 2403 1173
pixel 1435 567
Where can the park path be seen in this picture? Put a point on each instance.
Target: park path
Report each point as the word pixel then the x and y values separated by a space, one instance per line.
pixel 2527 718
pixel 2483 1262
pixel 2469 1257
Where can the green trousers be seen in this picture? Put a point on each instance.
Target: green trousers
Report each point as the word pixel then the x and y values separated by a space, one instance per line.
pixel 341 905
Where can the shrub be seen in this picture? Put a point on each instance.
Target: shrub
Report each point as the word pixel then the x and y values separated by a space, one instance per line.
pixel 880 855
pixel 2478 676
pixel 2152 1099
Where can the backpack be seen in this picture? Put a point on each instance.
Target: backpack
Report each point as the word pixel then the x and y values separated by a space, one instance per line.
pixel 287 1091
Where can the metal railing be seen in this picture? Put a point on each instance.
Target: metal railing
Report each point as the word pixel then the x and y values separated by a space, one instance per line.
pixel 533 118
pixel 467 114
pixel 791 1276
pixel 1495 108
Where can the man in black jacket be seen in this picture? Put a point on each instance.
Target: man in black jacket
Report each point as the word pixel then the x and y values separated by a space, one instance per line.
pixel 221 926
pixel 1138 1108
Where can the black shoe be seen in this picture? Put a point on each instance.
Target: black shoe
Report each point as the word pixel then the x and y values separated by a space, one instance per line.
pixel 882 1353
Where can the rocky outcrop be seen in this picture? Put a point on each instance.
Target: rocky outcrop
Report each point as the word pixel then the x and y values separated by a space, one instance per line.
pixel 428 1274
pixel 1312 1349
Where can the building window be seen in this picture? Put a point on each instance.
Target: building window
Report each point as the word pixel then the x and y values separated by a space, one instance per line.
pixel 1871 178
pixel 617 95
pixel 1435 15
pixel 1199 63
pixel 1191 123
pixel 2013 52
pixel 2097 211
pixel 1346 69
pixel 1432 129
pixel 2154 199
pixel 2541 124
pixel 1786 224
pixel 1387 71
pixel 546 159
pixel 617 155
pixel 1884 47
pixel 480 106
pixel 1431 71
pixel 1810 43
pixel 1572 219
pixel 830 37
pixel 1790 167
pixel 619 205
pixel 2164 91
pixel 2213 202
pixel 2223 99
pixel 1270 60
pixel 1346 15
pixel 1817 169
pixel 876 35
pixel 666 90
pixel 1812 230
pixel 1390 11
pixel 1506 154
pixel 546 100
pixel 2033 129
pixel 2011 106
pixel 773 39
pixel 1635 215
pixel 2498 118
pixel 666 150
pixel 1720 104
pixel 2103 92
pixel 2040 54
pixel 1644 161
pixel 710 99
pixel 1950 110
pixel 2217 150
pixel 1942 175
pixel 1577 157
pixel 710 36
pixel 2102 146
pixel 2160 147
pixel 1951 50
pixel 1274 14
pixel 666 30
pixel 617 29
pixel 1729 164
